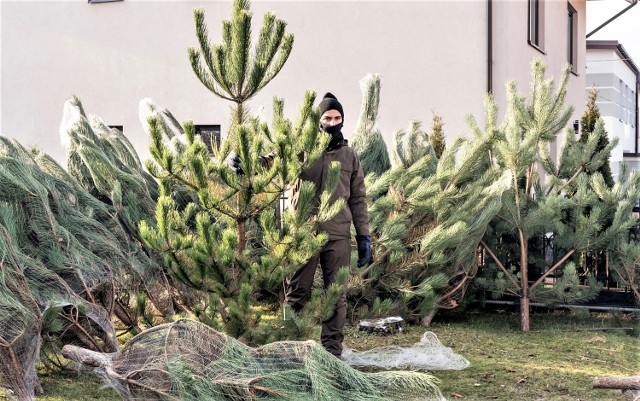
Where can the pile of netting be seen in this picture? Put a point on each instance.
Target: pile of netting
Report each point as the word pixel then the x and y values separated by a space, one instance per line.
pixel 187 360
pixel 427 354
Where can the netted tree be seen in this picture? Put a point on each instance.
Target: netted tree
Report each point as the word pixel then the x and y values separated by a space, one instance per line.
pixel 566 202
pixel 59 262
pixel 234 71
pixel 367 139
pixel 104 163
pixel 437 137
pixel 427 217
pixel 225 240
pixel 186 360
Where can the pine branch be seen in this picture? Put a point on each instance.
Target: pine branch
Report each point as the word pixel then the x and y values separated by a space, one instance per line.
pixel 575 175
pixel 499 264
pixel 548 272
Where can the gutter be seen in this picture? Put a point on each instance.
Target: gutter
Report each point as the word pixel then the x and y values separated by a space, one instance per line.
pixel 490 47
pixel 633 3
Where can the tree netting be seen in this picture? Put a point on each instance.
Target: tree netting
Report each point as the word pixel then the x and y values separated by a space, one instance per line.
pixel 70 256
pixel 187 360
pixel 427 354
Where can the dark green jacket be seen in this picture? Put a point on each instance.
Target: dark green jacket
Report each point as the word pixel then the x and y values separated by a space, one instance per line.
pixel 350 188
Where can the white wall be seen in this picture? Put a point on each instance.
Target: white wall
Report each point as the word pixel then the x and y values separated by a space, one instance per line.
pixel 431 56
pixel 607 62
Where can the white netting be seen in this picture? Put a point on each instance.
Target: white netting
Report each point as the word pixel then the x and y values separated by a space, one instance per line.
pixel 187 360
pixel 427 354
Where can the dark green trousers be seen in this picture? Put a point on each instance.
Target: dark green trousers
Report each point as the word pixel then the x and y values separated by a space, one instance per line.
pixel 334 255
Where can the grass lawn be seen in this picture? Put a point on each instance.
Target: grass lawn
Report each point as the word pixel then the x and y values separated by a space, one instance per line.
pixel 555 361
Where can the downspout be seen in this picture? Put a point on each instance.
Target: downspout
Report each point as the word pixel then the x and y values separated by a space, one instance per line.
pixel 490 47
pixel 637 110
pixel 633 3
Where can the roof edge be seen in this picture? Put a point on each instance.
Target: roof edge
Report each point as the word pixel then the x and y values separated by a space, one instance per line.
pixel 617 46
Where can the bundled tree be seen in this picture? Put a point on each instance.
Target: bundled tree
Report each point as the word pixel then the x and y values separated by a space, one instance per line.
pixel 104 163
pixel 59 260
pixel 569 203
pixel 367 139
pixel 437 137
pixel 225 241
pixel 427 217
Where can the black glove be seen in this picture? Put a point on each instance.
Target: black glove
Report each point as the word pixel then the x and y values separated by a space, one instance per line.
pixel 233 160
pixel 364 249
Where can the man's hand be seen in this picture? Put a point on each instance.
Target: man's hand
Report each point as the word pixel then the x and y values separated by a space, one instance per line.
pixel 364 249
pixel 233 160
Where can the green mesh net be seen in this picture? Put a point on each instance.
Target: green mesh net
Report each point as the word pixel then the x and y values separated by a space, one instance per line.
pixel 187 360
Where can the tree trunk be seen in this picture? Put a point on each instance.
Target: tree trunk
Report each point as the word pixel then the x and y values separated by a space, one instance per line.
pixel 426 320
pixel 524 283
pixel 242 236
pixel 621 383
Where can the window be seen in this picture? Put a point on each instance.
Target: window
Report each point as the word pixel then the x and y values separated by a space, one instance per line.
pixel 536 24
pixel 210 135
pixel 572 39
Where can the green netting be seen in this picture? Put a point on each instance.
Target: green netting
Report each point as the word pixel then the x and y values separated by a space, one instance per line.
pixel 187 360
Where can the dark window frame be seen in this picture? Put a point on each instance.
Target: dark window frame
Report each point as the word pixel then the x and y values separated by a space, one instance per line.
pixel 207 132
pixel 535 24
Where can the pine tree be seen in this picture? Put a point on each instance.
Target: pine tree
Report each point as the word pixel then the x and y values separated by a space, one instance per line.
pixel 437 137
pixel 568 203
pixel 367 140
pixel 222 237
pixel 587 125
pixel 232 69
pixel 427 217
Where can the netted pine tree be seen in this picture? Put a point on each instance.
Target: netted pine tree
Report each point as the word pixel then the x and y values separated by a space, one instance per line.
pixel 564 203
pixel 367 139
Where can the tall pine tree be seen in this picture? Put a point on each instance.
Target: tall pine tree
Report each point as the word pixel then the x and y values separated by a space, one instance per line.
pixel 224 240
pixel 587 125
pixel 567 202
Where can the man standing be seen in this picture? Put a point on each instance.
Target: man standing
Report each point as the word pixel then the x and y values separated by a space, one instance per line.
pixel 336 253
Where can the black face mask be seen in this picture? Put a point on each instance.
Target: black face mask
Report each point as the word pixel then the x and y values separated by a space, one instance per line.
pixel 332 130
pixel 336 135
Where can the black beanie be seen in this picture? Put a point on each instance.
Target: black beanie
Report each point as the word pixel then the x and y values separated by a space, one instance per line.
pixel 330 102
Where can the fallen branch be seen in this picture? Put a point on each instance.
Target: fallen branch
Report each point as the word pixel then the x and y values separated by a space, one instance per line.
pixel 620 383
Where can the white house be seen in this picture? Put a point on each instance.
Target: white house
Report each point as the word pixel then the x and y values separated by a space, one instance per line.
pixel 440 56
pixel 613 72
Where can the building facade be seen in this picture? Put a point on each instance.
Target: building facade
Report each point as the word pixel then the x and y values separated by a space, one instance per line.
pixel 613 72
pixel 433 56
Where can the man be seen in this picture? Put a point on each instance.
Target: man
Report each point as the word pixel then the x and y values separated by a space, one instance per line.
pixel 337 252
